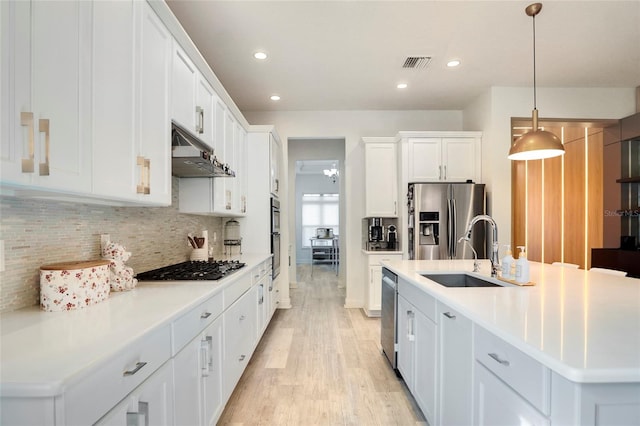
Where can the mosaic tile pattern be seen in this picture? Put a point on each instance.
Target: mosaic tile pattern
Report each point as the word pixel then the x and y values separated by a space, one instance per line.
pixel 37 232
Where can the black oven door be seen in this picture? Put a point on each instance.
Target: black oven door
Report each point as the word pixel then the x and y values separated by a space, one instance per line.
pixel 275 249
pixel 275 216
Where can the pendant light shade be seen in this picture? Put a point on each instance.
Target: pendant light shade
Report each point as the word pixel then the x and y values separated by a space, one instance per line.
pixel 536 144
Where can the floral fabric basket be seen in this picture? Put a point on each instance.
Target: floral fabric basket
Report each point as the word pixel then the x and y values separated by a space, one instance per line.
pixel 73 285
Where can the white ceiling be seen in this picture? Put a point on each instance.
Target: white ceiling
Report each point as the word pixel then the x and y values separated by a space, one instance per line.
pixel 348 55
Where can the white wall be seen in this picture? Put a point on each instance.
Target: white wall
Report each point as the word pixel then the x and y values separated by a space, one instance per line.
pixel 492 113
pixel 351 126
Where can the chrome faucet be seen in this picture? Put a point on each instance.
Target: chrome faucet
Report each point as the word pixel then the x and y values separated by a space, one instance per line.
pixel 495 260
pixel 476 264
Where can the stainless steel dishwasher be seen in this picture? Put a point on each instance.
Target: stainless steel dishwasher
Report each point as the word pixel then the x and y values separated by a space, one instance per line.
pixel 388 316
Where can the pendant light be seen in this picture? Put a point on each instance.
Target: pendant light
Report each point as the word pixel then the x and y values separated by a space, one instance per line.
pixel 536 144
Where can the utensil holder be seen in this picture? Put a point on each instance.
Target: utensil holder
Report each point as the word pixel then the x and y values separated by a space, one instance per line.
pixel 199 254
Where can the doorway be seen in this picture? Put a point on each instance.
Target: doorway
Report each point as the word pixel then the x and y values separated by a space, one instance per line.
pixel 316 171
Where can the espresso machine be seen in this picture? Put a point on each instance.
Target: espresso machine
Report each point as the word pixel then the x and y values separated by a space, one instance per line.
pixel 392 237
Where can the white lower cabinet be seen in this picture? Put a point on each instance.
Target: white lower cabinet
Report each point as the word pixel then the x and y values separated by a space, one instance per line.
pixel 455 366
pixel 240 337
pixel 198 378
pixel 151 403
pixel 373 290
pixel 417 343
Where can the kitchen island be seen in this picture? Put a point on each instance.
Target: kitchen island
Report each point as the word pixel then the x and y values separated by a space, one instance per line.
pixel 576 332
pixel 74 367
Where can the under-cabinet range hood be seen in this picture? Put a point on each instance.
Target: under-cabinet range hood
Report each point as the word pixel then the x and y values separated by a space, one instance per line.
pixel 192 158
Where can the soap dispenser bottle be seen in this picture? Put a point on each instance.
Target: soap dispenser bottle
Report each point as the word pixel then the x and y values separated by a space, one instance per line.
pixel 522 267
pixel 507 264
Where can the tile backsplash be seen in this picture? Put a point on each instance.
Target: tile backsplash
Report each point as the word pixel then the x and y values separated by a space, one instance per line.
pixel 39 232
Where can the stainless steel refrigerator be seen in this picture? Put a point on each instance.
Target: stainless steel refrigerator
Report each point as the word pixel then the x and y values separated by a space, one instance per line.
pixel 438 216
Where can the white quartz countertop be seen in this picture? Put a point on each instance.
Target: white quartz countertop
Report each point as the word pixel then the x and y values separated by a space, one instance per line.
pixel 583 325
pixel 41 352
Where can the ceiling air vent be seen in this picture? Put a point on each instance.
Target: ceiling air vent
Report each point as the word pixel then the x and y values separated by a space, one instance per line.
pixel 416 62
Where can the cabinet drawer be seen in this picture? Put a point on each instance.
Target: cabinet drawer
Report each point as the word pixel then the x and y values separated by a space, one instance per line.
pixel 497 404
pixel 193 322
pixel 88 400
pixel 260 271
pixel 525 375
pixel 421 300
pixel 375 259
pixel 236 289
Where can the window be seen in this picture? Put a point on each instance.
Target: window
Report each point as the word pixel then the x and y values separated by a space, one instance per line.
pixel 319 211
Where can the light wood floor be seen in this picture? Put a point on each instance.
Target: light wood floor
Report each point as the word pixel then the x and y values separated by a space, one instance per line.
pixel 320 364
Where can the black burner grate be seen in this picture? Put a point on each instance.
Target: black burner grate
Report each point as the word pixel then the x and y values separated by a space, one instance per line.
pixel 192 271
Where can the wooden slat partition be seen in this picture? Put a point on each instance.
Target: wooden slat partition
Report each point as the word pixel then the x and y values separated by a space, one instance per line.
pixel 557 202
pixel 553 193
pixel 574 201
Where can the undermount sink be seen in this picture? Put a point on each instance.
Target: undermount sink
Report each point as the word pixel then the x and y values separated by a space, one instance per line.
pixel 460 280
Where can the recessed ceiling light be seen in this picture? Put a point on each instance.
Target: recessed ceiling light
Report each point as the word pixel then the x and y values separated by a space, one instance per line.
pixel 453 63
pixel 260 55
pixel 275 97
pixel 402 85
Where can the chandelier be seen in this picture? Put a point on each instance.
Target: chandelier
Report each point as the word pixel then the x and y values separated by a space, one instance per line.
pixel 332 173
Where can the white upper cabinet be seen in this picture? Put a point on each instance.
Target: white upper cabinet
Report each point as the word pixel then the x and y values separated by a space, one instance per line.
pixel 88 96
pixel 381 177
pixel 131 159
pixel 204 111
pixel 153 126
pixel 114 150
pixel 184 80
pixel 442 156
pixel 275 165
pixel 46 55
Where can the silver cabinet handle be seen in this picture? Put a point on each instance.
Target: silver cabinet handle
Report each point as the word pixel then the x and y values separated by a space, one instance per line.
pixel 242 357
pixel 26 119
pixel 205 315
pixel 395 207
pixel 256 276
pixel 449 315
pixel 140 417
pixel 137 368
pixel 501 361
pixel 209 340
pixel 43 127
pixel 242 317
pixel 445 172
pixel 410 334
pixel 200 118
pixel 204 358
pixel 439 172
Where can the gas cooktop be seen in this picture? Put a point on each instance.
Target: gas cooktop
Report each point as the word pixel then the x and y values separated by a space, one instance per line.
pixel 192 271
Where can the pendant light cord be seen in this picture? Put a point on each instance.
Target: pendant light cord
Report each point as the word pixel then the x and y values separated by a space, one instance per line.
pixel 534 62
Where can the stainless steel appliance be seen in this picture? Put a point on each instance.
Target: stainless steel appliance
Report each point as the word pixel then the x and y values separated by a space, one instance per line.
pixel 191 157
pixel 192 271
pixel 275 236
pixel 392 237
pixel 438 216
pixel 388 316
pixel 376 230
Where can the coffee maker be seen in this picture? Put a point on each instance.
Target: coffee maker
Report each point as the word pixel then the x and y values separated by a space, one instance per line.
pixel 376 230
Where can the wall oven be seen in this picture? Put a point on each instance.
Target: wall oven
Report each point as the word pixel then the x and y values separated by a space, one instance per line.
pixel 275 236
